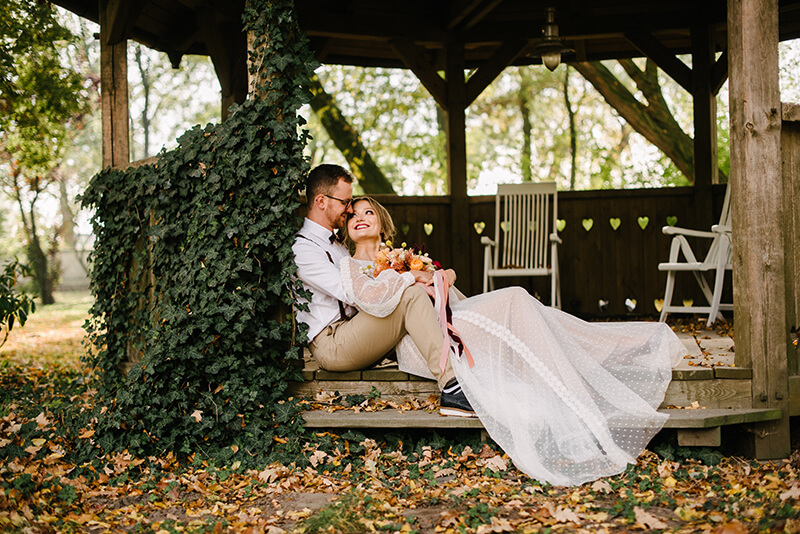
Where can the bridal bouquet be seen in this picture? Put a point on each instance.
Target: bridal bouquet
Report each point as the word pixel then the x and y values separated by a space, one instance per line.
pixel 402 259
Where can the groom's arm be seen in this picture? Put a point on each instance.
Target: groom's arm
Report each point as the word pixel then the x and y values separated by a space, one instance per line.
pixel 316 271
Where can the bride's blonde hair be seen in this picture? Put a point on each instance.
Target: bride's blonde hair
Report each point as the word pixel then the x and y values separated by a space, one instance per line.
pixel 384 219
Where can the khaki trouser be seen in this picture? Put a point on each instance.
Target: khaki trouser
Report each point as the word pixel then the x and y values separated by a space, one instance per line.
pixel 363 340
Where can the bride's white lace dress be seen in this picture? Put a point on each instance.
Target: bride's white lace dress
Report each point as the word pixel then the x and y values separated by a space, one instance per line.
pixel 569 401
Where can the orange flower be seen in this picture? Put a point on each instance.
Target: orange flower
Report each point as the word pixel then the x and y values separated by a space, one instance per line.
pixel 416 264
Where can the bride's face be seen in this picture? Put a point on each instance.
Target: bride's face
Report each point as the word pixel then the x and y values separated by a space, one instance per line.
pixel 363 225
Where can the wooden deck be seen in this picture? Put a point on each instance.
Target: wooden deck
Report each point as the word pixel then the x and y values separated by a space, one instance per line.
pixel 707 392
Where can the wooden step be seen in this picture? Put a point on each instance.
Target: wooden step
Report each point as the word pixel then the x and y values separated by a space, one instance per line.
pixel 721 387
pixel 700 427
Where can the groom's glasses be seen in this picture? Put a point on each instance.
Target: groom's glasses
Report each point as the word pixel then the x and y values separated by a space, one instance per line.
pixel 346 203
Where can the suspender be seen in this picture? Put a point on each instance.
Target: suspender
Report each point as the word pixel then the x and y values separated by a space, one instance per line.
pixel 342 313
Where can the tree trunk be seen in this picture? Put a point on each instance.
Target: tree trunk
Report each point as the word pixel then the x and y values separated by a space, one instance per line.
pixel 348 141
pixel 652 120
pixel 145 80
pixel 525 111
pixel 67 228
pixel 573 134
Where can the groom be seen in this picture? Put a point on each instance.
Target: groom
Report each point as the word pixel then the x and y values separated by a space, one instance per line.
pixel 341 338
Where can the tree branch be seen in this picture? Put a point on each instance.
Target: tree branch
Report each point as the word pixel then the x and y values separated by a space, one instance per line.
pixel 652 120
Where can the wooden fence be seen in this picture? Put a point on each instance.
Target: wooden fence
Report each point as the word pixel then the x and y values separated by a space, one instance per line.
pixel 612 244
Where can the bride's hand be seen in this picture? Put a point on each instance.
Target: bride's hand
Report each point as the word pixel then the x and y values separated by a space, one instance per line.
pixel 423 277
pixel 426 278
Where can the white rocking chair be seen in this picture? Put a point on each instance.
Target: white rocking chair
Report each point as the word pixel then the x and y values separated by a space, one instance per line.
pixel 717 260
pixel 525 236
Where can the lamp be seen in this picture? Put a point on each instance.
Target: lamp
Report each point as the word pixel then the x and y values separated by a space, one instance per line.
pixel 551 46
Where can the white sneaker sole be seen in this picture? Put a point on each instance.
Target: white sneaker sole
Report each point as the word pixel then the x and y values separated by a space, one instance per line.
pixel 455 412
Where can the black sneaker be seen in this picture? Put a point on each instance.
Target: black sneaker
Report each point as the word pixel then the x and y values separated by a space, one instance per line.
pixel 454 402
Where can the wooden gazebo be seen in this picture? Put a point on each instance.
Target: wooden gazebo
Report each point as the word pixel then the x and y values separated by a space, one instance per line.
pixel 441 41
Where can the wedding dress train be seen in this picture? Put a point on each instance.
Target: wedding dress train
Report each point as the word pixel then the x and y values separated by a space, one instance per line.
pixel 569 401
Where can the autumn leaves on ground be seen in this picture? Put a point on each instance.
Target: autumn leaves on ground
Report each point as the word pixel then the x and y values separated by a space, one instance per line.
pixel 346 483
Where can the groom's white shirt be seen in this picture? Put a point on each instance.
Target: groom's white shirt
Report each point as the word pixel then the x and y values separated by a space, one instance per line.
pixel 320 275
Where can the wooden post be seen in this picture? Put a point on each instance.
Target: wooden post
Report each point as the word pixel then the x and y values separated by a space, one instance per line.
pixel 757 214
pixel 113 94
pixel 705 122
pixel 790 158
pixel 456 97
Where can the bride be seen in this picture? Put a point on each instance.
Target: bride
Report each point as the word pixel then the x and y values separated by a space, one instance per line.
pixel 569 401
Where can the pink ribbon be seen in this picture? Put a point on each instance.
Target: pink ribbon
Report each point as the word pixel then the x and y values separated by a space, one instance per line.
pixel 440 291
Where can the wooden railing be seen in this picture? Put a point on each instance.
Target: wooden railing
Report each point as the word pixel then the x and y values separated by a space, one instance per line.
pixel 612 244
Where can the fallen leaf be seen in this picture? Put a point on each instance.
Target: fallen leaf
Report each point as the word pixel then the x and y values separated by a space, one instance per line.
pixel 647 520
pixel 496 463
pixel 793 493
pixel 86 434
pixel 562 514
pixel 449 518
pixel 602 485
pixel 197 415
pixel 318 458
pixel 734 527
pixel 497 525
pixel 41 421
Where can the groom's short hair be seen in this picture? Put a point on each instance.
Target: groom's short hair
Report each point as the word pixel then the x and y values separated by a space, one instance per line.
pixel 323 179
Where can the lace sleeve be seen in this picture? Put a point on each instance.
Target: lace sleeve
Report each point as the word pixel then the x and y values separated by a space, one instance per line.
pixel 375 296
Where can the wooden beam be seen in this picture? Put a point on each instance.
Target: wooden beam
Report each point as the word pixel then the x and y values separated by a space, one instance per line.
pixel 666 60
pixel 113 96
pixel 492 67
pixel 412 58
pixel 472 14
pixel 704 112
pixel 120 15
pixel 456 146
pixel 758 219
pixel 790 159
pixel 227 46
pixel 719 73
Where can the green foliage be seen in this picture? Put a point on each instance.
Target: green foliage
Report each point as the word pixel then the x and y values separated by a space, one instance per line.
pixel 706 455
pixel 193 271
pixel 37 95
pixel 15 306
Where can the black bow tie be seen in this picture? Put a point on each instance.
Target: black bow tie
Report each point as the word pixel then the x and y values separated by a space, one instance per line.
pixel 332 238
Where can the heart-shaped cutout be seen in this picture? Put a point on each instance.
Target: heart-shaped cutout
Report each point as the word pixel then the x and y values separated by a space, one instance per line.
pixel 643 222
pixel 479 226
pixel 405 227
pixel 428 228
pixel 505 226
pixel 602 305
pixel 587 224
pixel 659 304
pixel 630 304
pixel 688 302
pixel 672 220
pixel 614 222
pixel 561 224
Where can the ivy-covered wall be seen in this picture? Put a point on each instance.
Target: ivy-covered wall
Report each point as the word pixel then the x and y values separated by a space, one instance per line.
pixel 192 271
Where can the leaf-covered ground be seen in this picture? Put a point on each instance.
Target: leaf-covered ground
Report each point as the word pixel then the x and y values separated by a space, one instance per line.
pixel 345 483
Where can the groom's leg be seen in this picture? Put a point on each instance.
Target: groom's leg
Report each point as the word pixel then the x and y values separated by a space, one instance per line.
pixel 364 339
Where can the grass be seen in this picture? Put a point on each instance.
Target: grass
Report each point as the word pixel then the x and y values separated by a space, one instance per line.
pixel 53 335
